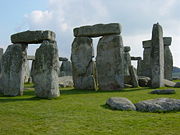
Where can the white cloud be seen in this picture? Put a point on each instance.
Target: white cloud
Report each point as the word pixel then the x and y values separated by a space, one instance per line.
pixel 137 18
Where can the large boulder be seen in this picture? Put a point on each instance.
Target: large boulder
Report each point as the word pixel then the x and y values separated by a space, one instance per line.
pixel 13 69
pixel 144 81
pixel 66 81
pixel 158 105
pixel 169 83
pixel 82 63
pixel 120 103
pixel 45 70
pixel 110 63
pixel 98 30
pixel 32 37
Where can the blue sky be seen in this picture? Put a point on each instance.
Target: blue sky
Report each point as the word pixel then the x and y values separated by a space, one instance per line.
pixel 61 16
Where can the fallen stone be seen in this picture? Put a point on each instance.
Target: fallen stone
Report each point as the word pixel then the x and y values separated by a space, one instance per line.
pixel 177 85
pixel 32 37
pixel 45 70
pixel 144 81
pixel 119 103
pixel 168 91
pixel 158 105
pixel 98 30
pixel 110 63
pixel 168 83
pixel 127 86
pixel 66 81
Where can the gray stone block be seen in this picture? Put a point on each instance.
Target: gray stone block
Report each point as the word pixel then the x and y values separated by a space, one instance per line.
pixel 45 70
pixel 134 77
pixel 110 63
pixel 32 37
pixel 98 30
pixel 167 41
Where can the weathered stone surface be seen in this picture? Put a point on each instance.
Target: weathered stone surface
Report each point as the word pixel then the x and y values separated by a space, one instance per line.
pixel 33 37
pixel 169 83
pixel 110 63
pixel 177 85
pixel 13 65
pixel 31 57
pixel 97 30
pixel 1 54
pixel 45 70
pixel 134 77
pixel 63 59
pixel 82 64
pixel 168 63
pixel 32 70
pixel 158 105
pixel 168 91
pixel 120 103
pixel 167 41
pixel 144 81
pixel 127 60
pixel 66 81
pixel 157 57
pixel 66 68
pixel 26 71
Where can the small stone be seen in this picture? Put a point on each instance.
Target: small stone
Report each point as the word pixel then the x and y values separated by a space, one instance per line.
pixel 168 91
pixel 158 105
pixel 98 30
pixel 177 85
pixel 120 103
pixel 33 37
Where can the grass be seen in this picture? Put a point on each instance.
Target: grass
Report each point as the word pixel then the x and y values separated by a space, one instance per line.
pixel 83 112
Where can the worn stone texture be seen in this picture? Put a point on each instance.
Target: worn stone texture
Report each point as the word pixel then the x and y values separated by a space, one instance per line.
pixel 120 103
pixel 26 71
pixel 31 57
pixel 127 60
pixel 110 63
pixel 168 58
pixel 166 91
pixel 33 37
pixel 82 64
pixel 45 70
pixel 134 77
pixel 1 54
pixel 144 81
pixel 169 83
pixel 66 81
pixel 98 30
pixel 66 68
pixel 13 68
pixel 158 105
pixel 157 57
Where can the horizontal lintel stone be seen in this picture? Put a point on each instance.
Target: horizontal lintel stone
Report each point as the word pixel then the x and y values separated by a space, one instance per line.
pixel 98 30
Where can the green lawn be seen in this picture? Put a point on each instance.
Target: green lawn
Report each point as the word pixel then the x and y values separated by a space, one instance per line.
pixel 83 112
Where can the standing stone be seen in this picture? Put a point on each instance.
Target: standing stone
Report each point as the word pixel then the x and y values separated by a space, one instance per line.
pixel 66 68
pixel 13 65
pixel 82 64
pixel 144 66
pixel 45 70
pixel 157 57
pixel 168 59
pixel 134 77
pixel 110 63
pixel 27 71
pixel 1 54
pixel 127 60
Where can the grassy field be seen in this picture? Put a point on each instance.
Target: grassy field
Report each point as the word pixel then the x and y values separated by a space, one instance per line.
pixel 83 112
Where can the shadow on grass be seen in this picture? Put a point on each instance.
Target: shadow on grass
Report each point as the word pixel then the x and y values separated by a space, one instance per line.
pixel 76 91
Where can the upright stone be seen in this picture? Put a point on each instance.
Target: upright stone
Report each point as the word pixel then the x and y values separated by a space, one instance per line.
pixel 127 60
pixel 110 63
pixel 66 68
pixel 168 59
pixel 1 54
pixel 27 71
pixel 45 70
pixel 134 77
pixel 13 65
pixel 82 64
pixel 157 57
